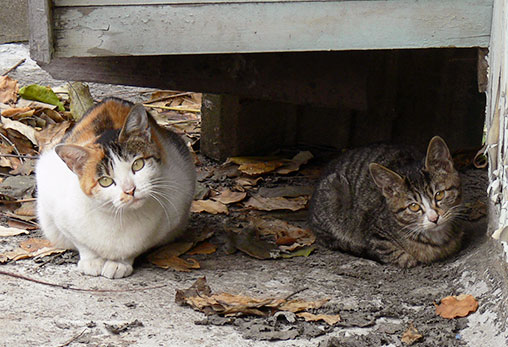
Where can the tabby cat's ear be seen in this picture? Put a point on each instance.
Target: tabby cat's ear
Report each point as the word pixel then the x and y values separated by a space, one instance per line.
pixel 74 156
pixel 135 123
pixel 388 181
pixel 438 157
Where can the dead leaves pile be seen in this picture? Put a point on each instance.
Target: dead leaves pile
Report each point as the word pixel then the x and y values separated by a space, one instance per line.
pixel 200 297
pixel 169 256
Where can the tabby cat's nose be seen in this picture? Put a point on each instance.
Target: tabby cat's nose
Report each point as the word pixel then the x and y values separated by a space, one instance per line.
pixel 433 216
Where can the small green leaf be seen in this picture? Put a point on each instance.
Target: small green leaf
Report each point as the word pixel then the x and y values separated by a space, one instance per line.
pixel 43 94
pixel 302 252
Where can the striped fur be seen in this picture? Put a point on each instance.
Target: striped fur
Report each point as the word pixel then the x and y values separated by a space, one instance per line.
pixel 117 185
pixel 390 204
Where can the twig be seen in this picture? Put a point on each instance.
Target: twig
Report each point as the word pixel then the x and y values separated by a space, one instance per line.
pixel 14 275
pixel 12 144
pixel 168 97
pixel 73 338
pixel 297 292
pixel 174 108
pixel 17 201
pixel 19 156
pixel 14 67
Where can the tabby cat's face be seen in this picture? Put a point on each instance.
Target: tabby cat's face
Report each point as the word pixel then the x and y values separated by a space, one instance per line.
pixel 426 200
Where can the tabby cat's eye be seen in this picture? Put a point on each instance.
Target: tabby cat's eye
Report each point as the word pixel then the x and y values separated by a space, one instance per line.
pixel 414 207
pixel 439 195
pixel 138 164
pixel 106 181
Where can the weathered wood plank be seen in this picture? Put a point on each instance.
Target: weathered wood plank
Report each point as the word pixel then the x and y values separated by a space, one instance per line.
pixel 497 115
pixel 41 34
pixel 270 27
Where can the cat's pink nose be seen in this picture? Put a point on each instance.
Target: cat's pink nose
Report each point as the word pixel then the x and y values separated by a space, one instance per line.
pixel 433 216
pixel 130 191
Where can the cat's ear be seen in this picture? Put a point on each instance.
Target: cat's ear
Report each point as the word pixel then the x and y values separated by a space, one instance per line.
pixel 74 156
pixel 388 181
pixel 438 157
pixel 135 123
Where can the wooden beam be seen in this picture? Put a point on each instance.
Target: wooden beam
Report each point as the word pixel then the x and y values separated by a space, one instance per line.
pixel 41 33
pixel 203 27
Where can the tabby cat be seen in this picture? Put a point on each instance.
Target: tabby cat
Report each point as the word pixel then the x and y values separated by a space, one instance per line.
pixel 117 185
pixel 387 203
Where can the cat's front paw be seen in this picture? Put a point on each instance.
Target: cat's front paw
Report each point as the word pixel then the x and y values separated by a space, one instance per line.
pixel 116 269
pixel 92 267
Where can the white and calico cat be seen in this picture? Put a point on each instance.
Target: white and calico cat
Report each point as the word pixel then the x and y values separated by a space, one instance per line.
pixel 117 185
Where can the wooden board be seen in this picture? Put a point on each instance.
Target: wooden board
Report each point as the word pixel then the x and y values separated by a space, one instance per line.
pixel 199 27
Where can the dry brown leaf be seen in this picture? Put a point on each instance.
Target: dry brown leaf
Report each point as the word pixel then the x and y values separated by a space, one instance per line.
pixel 259 168
pixel 248 181
pixel 177 263
pixel 411 335
pixel 25 169
pixel 203 248
pixel 173 249
pixel 295 163
pixel 51 135
pixel 277 203
pixel 284 232
pixel 199 296
pixel 229 197
pixel 298 305
pixel 23 129
pixel 8 89
pixel 27 209
pixel 18 112
pixel 310 317
pixel 210 206
pixel 7 231
pixel 35 244
pixel 457 306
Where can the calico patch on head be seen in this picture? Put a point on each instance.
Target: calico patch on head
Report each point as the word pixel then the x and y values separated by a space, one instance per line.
pixel 423 200
pixel 113 151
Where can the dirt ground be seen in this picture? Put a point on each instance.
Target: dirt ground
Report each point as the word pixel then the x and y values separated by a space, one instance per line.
pixel 376 303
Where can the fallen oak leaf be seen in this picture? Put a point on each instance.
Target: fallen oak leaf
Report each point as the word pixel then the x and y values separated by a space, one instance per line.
pixel 35 244
pixel 18 112
pixel 203 248
pixel 411 335
pixel 310 317
pixel 248 242
pixel 9 231
pixel 8 89
pixel 51 135
pixel 229 197
pixel 248 181
pixel 277 203
pixel 23 129
pixel 295 163
pixel 302 252
pixel 298 305
pixel 457 306
pixel 177 263
pixel 210 206
pixel 259 168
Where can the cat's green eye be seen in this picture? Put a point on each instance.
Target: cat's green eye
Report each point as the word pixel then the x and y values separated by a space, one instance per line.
pixel 439 195
pixel 414 207
pixel 106 181
pixel 138 164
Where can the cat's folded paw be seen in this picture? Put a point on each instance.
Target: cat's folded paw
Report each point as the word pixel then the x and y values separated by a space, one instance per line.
pixel 116 269
pixel 92 267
